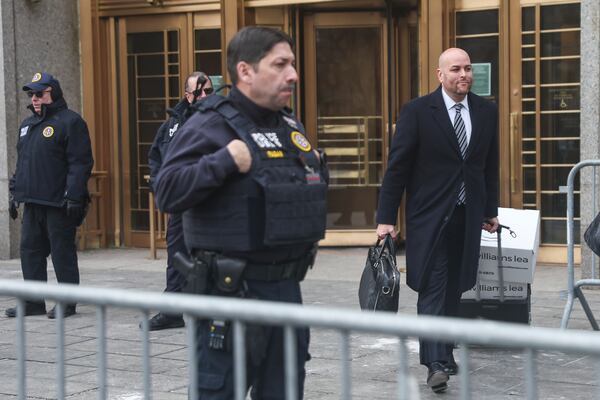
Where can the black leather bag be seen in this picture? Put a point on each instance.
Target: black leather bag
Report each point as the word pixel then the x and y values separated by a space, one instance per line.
pixel 379 287
pixel 592 235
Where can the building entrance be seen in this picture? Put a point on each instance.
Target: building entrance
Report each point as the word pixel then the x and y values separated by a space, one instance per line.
pixel 346 115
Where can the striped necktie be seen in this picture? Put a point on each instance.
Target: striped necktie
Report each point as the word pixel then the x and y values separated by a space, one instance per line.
pixel 461 135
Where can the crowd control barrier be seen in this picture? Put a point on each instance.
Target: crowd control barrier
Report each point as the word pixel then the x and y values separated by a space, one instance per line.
pixel 574 289
pixel 464 332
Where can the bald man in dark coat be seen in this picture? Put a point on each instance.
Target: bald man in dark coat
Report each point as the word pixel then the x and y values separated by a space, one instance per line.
pixel 448 167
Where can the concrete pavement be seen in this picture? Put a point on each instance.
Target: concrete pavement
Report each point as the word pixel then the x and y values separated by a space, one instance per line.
pixel 496 374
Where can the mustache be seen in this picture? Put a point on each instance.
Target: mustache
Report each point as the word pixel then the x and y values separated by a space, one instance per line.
pixel 290 86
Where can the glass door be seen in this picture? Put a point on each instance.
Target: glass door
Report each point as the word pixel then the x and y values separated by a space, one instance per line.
pixel 550 116
pixel 345 105
pixel 153 64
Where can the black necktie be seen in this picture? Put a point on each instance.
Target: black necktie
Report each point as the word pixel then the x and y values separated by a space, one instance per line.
pixel 461 135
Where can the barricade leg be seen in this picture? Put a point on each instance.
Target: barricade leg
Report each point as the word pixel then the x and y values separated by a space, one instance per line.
pixel 21 348
pixel 465 384
pixel 192 332
pixel 60 350
pixel 567 312
pixel 101 331
pixel 403 376
pixel 146 356
pixel 586 308
pixel 346 381
pixel 530 374
pixel 291 364
pixel 239 359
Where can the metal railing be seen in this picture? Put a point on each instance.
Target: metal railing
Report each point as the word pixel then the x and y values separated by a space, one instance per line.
pixel 464 332
pixel 574 289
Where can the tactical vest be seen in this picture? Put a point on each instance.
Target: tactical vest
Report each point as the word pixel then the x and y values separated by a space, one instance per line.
pixel 280 201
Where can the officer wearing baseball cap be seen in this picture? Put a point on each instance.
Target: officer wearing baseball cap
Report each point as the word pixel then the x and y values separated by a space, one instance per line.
pixel 54 164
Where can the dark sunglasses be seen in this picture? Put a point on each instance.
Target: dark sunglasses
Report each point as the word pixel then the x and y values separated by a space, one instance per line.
pixel 206 91
pixel 38 94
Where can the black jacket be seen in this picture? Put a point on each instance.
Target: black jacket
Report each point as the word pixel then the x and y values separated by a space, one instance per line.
pixel 177 117
pixel 198 164
pixel 426 163
pixel 54 157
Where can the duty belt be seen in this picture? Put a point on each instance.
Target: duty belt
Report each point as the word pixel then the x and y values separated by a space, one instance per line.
pixel 295 269
pixel 278 272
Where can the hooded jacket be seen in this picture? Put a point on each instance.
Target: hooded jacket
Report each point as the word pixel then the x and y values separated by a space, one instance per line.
pixel 54 156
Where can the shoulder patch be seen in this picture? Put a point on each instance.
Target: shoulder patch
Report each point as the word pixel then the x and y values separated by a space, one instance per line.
pixel 300 141
pixel 24 131
pixel 48 132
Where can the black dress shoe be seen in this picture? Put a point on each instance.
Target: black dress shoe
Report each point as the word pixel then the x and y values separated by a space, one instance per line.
pixel 31 308
pixel 437 377
pixel 451 368
pixel 68 310
pixel 165 321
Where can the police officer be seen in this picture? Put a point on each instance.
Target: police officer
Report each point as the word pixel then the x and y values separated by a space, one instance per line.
pixel 53 167
pixel 198 85
pixel 252 192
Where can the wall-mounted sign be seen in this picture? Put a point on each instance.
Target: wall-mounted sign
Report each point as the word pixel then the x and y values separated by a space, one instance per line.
pixel 482 79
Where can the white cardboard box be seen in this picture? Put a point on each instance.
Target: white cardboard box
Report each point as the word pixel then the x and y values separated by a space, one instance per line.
pixel 490 290
pixel 519 254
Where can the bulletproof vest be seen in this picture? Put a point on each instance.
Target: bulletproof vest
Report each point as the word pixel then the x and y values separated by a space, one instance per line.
pixel 280 201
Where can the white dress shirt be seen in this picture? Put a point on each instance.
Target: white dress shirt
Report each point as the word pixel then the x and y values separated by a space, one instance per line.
pixel 464 114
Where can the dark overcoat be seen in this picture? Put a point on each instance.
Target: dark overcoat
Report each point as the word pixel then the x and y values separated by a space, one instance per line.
pixel 425 161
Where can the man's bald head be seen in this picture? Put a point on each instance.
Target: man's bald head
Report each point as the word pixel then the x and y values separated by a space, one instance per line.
pixel 455 73
pixel 449 54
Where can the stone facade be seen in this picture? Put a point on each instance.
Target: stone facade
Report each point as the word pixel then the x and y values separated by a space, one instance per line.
pixel 590 119
pixel 36 35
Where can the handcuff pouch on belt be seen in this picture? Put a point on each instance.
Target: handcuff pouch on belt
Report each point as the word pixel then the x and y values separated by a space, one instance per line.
pixel 229 274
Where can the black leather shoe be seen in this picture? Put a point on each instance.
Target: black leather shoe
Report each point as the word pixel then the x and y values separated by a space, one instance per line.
pixel 437 377
pixel 451 367
pixel 165 321
pixel 68 310
pixel 30 309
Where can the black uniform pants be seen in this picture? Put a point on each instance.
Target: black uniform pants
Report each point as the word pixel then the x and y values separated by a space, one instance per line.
pixel 441 296
pixel 215 367
pixel 48 231
pixel 175 281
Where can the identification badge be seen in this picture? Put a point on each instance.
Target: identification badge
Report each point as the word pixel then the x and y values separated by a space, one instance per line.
pixel 312 178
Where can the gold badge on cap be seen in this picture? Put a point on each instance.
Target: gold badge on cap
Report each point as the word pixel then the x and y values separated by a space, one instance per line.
pixel 300 141
pixel 48 131
pixel 36 77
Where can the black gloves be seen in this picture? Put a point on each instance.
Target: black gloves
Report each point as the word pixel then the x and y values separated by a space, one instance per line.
pixel 75 210
pixel 12 207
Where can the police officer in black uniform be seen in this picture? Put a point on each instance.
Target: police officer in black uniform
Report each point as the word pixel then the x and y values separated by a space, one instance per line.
pixel 198 85
pixel 53 167
pixel 252 191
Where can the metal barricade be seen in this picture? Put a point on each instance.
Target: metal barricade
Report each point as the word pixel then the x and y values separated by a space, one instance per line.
pixel 464 332
pixel 574 289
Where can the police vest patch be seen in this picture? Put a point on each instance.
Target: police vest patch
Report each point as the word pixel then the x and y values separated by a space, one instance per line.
pixel 173 129
pixel 291 122
pixel 300 141
pixel 48 131
pixel 267 140
pixel 274 153
pixel 36 77
pixel 24 131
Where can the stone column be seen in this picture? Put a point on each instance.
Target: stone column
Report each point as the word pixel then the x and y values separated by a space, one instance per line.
pixel 590 120
pixel 37 35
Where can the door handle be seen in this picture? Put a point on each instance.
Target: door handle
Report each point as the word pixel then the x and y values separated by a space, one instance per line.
pixel 513 131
